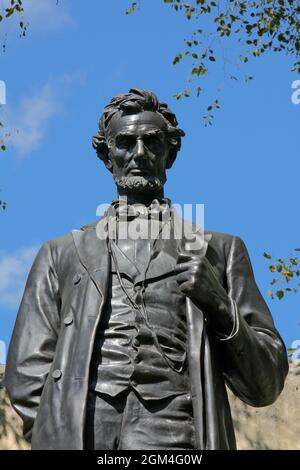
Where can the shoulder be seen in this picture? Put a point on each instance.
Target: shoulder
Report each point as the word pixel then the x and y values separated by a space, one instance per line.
pixel 66 240
pixel 62 248
pixel 225 244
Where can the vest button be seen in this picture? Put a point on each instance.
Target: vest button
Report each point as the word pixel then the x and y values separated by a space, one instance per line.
pixel 76 278
pixel 68 320
pixel 56 374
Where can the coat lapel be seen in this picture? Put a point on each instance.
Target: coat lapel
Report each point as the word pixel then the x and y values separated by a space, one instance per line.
pixel 93 253
pixel 183 236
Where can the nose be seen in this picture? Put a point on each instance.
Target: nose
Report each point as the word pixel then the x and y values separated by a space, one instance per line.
pixel 140 149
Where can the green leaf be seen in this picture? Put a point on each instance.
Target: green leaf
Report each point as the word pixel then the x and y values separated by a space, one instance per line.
pixel 177 59
pixel 188 14
pixel 203 71
pixel 267 256
pixel 132 8
pixel 178 96
pixel 280 294
pixel 9 12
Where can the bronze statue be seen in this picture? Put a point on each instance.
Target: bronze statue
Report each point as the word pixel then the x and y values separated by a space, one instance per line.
pixel 128 342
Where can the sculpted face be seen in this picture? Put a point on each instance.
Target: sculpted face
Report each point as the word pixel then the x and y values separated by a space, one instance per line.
pixel 138 148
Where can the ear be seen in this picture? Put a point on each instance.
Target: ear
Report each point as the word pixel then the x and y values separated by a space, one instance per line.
pixel 106 160
pixel 102 150
pixel 106 156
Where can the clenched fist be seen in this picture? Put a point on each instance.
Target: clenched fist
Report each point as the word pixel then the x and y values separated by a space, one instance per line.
pixel 197 279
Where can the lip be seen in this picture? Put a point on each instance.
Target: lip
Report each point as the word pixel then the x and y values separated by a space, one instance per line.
pixel 139 171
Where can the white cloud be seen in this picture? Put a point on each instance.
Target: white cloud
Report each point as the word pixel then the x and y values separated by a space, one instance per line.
pixel 14 269
pixel 30 120
pixel 27 123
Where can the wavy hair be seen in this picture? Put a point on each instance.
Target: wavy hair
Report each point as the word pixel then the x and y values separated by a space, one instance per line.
pixel 135 102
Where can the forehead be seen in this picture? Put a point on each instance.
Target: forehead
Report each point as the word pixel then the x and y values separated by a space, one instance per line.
pixel 137 123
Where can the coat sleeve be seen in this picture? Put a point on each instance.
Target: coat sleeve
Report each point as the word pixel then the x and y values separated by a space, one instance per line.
pixel 34 338
pixel 255 359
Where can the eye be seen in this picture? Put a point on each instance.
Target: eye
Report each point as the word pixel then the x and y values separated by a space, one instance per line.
pixel 125 141
pixel 153 142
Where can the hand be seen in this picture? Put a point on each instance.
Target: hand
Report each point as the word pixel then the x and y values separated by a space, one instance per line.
pixel 197 279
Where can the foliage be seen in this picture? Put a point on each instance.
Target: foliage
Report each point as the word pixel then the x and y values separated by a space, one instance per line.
pixel 15 7
pixel 2 204
pixel 256 26
pixel 132 8
pixel 2 149
pixel 287 274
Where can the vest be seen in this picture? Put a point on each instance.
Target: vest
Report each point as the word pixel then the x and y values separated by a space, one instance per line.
pixel 142 345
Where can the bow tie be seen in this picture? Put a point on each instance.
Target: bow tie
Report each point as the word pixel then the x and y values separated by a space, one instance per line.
pixel 157 210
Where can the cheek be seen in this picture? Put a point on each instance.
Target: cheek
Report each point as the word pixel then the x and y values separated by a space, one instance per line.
pixel 160 162
pixel 118 157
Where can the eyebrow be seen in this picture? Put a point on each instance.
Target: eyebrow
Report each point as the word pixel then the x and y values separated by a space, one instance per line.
pixel 148 133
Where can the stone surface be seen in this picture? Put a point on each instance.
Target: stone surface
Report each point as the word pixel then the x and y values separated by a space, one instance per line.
pixel 272 427
pixel 10 424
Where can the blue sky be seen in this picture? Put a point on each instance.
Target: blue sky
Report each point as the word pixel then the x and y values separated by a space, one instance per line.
pixel 244 168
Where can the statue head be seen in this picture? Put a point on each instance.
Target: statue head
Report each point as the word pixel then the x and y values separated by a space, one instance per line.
pixel 138 140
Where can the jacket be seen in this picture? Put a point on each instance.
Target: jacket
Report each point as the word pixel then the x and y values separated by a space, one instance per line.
pixel 47 369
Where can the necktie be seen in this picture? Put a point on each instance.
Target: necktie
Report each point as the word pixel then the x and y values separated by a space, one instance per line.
pixel 157 210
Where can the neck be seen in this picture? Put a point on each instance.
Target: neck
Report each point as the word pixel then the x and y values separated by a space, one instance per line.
pixel 140 197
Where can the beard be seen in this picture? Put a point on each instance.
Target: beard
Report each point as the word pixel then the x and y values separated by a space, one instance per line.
pixel 139 183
